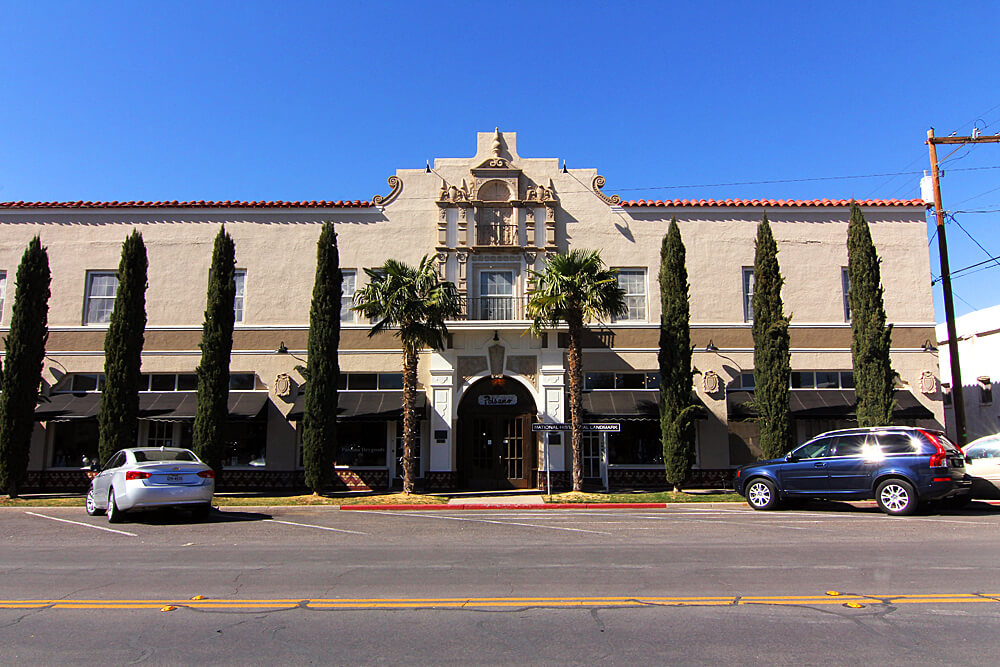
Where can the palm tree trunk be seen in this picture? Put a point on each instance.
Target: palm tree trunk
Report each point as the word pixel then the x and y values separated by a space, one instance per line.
pixel 410 358
pixel 575 364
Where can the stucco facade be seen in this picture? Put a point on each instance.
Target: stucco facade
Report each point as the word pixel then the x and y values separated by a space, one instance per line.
pixel 486 220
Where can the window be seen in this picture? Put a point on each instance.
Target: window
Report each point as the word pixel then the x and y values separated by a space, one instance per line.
pixel 86 382
pixel 748 282
pixel 640 380
pixel 3 291
pixel 815 450
pixel 743 382
pixel 240 278
pixel 348 284
pixel 160 434
pixel 102 286
pixel 633 283
pixel 496 295
pixel 822 380
pixel 74 444
pixel 241 381
pixel 361 443
pixel 369 381
pixel 845 283
pixel 638 443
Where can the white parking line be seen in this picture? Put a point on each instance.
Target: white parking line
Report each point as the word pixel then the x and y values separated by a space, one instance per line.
pixel 309 525
pixel 425 515
pixel 85 525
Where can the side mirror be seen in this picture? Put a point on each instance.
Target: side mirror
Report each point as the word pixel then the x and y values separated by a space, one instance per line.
pixel 95 467
pixel 790 457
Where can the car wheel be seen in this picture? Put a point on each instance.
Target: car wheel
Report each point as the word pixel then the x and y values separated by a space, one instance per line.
pixel 201 512
pixel 115 515
pixel 896 497
pixel 762 494
pixel 92 508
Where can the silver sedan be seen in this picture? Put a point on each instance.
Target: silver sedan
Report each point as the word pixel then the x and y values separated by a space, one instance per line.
pixel 983 464
pixel 146 477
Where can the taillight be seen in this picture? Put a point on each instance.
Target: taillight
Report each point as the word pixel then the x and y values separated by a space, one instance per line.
pixel 136 474
pixel 939 459
pixel 207 474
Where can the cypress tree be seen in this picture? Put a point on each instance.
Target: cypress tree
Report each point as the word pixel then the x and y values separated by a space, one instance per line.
pixel 216 347
pixel 119 417
pixel 319 428
pixel 771 356
pixel 22 373
pixel 676 407
pixel 873 374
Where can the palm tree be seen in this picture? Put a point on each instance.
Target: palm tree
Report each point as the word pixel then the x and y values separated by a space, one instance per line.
pixel 575 287
pixel 415 302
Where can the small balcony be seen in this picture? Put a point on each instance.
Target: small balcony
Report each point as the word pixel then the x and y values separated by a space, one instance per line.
pixel 496 234
pixel 493 308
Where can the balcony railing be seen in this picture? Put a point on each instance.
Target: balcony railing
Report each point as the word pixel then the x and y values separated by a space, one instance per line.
pixel 493 308
pixel 496 234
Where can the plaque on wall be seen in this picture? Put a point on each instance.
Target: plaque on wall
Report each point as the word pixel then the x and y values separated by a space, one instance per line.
pixel 498 399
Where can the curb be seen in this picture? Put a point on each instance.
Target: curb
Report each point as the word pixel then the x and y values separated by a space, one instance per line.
pixel 513 506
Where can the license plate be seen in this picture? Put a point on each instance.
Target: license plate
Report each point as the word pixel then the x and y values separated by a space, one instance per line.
pixel 175 478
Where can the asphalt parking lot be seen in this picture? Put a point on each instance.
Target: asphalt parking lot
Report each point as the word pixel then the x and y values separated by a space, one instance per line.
pixel 689 583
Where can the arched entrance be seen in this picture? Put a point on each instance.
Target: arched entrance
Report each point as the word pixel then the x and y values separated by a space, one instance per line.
pixel 496 448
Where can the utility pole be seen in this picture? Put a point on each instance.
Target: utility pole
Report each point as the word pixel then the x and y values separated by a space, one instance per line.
pixel 957 390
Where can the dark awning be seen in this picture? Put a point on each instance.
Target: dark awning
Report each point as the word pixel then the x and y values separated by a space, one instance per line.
pixel 826 404
pixel 153 405
pixel 630 404
pixel 65 407
pixel 365 405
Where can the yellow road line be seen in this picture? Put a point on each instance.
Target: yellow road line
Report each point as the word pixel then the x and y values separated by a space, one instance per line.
pixel 501 602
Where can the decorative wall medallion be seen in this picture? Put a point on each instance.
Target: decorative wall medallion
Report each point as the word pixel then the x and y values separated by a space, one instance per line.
pixel 282 385
pixel 470 366
pixel 710 382
pixel 597 185
pixel 928 383
pixel 396 183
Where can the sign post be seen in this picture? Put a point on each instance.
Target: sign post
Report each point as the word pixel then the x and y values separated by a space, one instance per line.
pixel 592 427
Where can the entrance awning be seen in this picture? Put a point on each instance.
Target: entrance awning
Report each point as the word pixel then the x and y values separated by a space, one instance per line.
pixel 827 404
pixel 153 405
pixel 365 405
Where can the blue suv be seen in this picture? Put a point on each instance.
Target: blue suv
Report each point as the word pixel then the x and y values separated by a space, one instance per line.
pixel 898 466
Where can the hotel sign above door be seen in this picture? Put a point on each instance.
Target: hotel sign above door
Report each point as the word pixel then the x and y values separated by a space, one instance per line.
pixel 600 427
pixel 498 399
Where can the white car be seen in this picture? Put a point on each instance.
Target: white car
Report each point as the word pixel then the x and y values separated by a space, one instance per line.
pixel 146 477
pixel 982 463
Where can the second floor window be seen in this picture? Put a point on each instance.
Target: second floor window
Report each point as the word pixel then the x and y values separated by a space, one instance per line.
pixel 240 278
pixel 748 283
pixel 496 295
pixel 348 284
pixel 102 286
pixel 633 283
pixel 845 282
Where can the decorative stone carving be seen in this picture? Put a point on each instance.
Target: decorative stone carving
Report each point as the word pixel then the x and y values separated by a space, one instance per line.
pixel 597 185
pixel 497 143
pixel 442 265
pixel 468 367
pixel 443 195
pixel 282 385
pixel 928 383
pixel 529 257
pixel 540 193
pixel 710 382
pixel 396 183
pixel 524 365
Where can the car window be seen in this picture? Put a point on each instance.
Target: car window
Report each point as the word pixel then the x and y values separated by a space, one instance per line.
pixel 143 455
pixel 983 451
pixel 816 449
pixel 898 443
pixel 116 461
pixel 850 445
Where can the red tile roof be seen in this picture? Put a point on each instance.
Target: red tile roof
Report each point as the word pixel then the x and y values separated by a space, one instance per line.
pixel 771 202
pixel 185 204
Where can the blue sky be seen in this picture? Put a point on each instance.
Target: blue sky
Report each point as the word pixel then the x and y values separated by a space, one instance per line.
pixel 324 100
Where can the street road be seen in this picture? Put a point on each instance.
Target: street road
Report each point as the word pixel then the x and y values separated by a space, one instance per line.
pixel 692 584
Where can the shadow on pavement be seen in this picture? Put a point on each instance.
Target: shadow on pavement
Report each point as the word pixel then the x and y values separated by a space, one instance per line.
pixel 167 517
